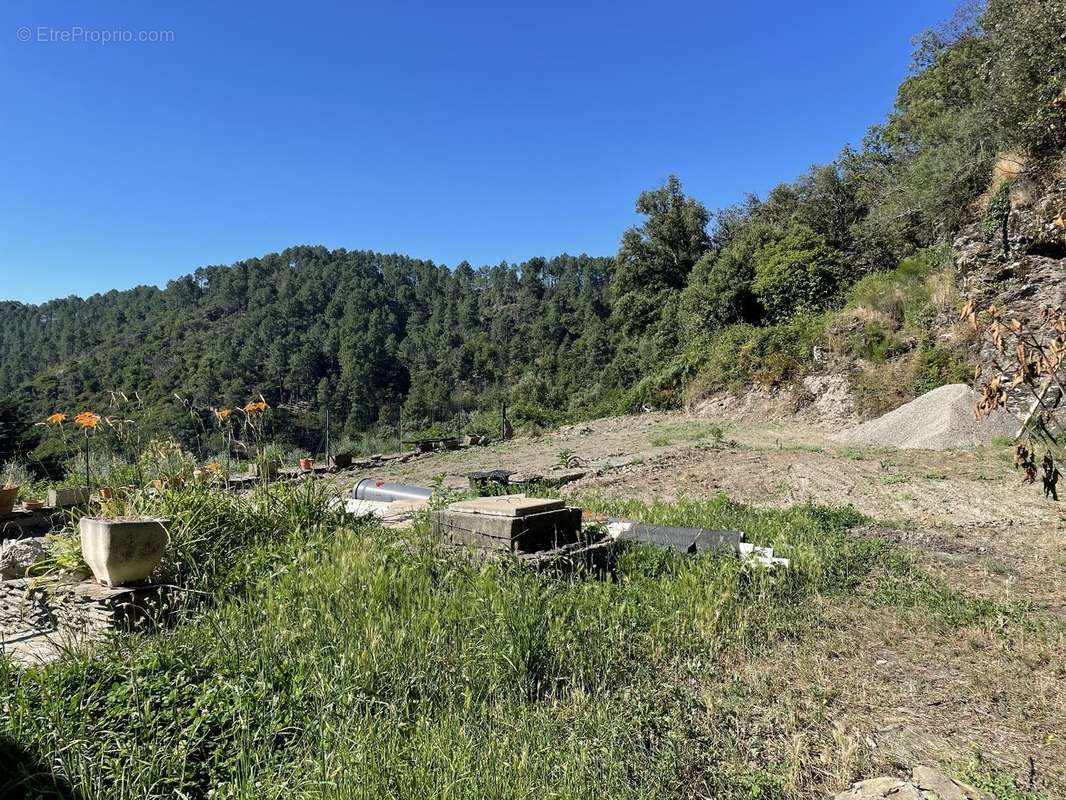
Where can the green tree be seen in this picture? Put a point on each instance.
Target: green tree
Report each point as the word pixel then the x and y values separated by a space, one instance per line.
pixel 656 257
pixel 800 272
pixel 719 291
pixel 16 430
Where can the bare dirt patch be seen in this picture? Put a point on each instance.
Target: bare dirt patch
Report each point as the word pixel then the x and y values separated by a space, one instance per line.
pixel 881 691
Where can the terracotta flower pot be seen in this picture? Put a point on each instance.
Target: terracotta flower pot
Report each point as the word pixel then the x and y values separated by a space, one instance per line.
pixel 121 551
pixel 33 505
pixel 8 495
pixel 106 492
pixel 307 464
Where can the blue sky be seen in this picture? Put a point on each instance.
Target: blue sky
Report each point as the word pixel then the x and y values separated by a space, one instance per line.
pixel 448 131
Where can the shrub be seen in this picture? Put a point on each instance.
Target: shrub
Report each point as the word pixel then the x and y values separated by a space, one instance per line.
pixel 900 294
pixel 742 354
pixel 799 273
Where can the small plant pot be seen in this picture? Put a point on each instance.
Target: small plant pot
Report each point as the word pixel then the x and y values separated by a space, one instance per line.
pixel 8 495
pixel 342 460
pixel 68 497
pixel 307 464
pixel 33 505
pixel 106 492
pixel 122 551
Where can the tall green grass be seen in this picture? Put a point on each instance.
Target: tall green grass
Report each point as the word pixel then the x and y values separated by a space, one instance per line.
pixel 357 662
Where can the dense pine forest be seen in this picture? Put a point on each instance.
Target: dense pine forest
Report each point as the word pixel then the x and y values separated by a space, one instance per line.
pixel 694 300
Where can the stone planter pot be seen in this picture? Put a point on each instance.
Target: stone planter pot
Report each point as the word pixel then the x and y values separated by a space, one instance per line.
pixel 8 495
pixel 68 497
pixel 122 551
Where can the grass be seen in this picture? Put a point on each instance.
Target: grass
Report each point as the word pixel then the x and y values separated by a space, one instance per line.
pixel 902 584
pixel 703 433
pixel 350 661
pixel 895 478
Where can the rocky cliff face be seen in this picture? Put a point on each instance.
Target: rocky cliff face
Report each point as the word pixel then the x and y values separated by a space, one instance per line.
pixel 1031 274
pixel 1023 277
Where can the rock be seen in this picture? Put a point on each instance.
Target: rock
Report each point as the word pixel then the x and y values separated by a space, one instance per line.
pixel 19 555
pixel 926 783
pixel 933 781
pixel 872 789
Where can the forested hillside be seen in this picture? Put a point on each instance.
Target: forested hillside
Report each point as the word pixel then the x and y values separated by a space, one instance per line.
pixel 851 257
pixel 360 332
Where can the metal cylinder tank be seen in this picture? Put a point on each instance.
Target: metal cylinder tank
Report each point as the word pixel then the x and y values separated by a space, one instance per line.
pixel 384 492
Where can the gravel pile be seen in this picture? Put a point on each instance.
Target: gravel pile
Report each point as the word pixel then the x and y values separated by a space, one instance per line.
pixel 942 419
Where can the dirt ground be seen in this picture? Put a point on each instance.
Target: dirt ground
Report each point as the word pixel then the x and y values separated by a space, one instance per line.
pixel 895 691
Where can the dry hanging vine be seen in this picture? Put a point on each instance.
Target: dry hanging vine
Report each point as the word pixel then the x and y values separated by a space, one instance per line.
pixel 1028 360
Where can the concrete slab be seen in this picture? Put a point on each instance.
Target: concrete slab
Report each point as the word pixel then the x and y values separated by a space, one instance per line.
pixel 524 534
pixel 508 505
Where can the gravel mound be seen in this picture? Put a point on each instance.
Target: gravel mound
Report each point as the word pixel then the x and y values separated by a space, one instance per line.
pixel 942 419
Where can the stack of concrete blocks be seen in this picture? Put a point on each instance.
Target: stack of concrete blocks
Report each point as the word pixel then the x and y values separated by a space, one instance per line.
pixel 511 523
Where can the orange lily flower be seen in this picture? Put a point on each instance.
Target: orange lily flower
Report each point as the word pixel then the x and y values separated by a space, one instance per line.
pixel 87 419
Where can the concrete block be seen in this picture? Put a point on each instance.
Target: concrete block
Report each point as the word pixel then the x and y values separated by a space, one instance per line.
pixel 687 540
pixel 518 534
pixel 68 497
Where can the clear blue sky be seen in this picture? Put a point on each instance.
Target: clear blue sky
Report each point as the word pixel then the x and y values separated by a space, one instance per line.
pixel 448 131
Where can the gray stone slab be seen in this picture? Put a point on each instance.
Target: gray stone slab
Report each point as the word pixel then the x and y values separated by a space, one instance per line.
pixel 508 505
pixel 687 540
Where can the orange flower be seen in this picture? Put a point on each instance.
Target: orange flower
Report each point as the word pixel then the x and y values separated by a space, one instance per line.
pixel 223 413
pixel 256 407
pixel 57 418
pixel 212 467
pixel 87 420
